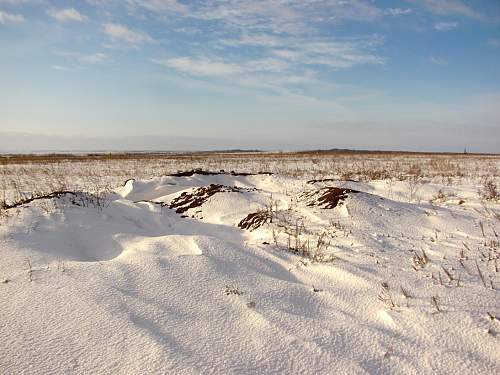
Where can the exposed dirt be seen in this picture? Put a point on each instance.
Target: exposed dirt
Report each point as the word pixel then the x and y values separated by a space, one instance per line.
pixel 328 197
pixel 77 198
pixel 254 220
pixel 22 202
pixel 199 196
pixel 213 173
pixel 327 180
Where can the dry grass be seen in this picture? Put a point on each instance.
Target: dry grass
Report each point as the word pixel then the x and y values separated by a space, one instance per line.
pixel 22 176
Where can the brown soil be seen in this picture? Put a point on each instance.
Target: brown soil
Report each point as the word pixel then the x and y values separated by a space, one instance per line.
pixel 199 196
pixel 328 197
pixel 22 202
pixel 209 173
pixel 254 220
pixel 327 180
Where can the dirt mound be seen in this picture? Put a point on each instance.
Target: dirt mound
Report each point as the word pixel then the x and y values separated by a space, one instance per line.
pixel 328 180
pixel 213 173
pixel 255 220
pixel 328 197
pixel 198 196
pixel 77 198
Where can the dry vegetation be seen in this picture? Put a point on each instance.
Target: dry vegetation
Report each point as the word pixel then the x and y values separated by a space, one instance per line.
pixel 22 176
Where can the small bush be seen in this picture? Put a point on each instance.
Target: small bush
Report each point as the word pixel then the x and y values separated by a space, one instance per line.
pixel 232 290
pixel 489 190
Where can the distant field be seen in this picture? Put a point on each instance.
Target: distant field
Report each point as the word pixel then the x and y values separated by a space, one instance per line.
pixel 26 174
pixel 260 155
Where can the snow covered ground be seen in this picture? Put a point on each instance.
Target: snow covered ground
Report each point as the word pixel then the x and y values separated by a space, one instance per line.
pixel 253 273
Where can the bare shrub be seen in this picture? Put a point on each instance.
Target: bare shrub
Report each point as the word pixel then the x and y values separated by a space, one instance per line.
pixel 414 182
pixel 435 303
pixel 488 190
pixel 385 296
pixel 232 290
pixel 29 269
pixel 420 261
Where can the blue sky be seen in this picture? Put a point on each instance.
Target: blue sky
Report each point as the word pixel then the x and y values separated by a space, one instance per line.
pixel 275 74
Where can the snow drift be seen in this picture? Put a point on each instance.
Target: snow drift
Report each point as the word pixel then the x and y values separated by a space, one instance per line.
pixel 159 277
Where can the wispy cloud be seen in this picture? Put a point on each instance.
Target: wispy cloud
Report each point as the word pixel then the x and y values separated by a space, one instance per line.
pixel 60 68
pixel 445 26
pixel 276 46
pixel 448 7
pixel 200 66
pixel 398 11
pixel 286 37
pixel 281 48
pixel 292 16
pixel 159 5
pixel 218 67
pixel 281 60
pixel 336 53
pixel 10 18
pixel 438 61
pixel 93 58
pixel 19 2
pixel 287 66
pixel 84 58
pixel 121 32
pixel 67 15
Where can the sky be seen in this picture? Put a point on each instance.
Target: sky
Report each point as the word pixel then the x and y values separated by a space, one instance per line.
pixel 419 75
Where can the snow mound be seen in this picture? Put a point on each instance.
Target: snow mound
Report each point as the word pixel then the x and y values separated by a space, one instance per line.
pixel 228 273
pixel 161 246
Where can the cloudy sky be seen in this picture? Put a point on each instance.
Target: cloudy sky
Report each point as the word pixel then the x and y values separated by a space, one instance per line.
pixel 271 74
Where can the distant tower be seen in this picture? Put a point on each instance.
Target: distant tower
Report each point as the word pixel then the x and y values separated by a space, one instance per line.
pixel 465 150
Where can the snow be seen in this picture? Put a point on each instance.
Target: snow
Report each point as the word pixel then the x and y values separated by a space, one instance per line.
pixel 128 285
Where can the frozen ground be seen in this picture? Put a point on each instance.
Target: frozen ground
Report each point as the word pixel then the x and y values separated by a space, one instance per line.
pixel 265 273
